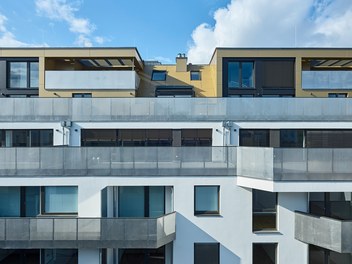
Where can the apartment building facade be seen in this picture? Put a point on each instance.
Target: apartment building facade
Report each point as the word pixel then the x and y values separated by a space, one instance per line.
pixel 91 174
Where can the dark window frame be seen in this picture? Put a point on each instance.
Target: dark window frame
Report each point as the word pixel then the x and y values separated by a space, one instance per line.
pixel 206 213
pixel 199 78
pixel 265 213
pixel 197 244
pixel 158 72
pixel 8 74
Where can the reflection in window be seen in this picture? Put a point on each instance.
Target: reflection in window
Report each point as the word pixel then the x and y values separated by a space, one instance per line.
pixel 264 253
pixel 206 200
pixel 264 210
pixel 206 253
pixel 291 138
pixel 240 74
pixel 195 76
pixel 141 201
pixel 26 138
pixel 159 76
pixel 59 256
pixel 23 75
pixel 60 199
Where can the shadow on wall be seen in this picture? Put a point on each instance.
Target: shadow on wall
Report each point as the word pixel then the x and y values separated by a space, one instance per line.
pixel 187 233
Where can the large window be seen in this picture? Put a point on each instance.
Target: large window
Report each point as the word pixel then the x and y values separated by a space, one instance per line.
pixel 206 253
pixel 264 253
pixel 141 201
pixel 206 200
pixel 60 200
pixel 19 201
pixel 23 74
pixel 255 137
pixel 240 74
pixel 26 138
pixel 264 210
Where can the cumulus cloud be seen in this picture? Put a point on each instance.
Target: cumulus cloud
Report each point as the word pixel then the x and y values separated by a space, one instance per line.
pixel 64 11
pixel 7 38
pixel 274 23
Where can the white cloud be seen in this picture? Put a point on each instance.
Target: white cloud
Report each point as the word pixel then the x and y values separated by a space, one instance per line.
pixel 274 23
pixel 62 10
pixel 8 39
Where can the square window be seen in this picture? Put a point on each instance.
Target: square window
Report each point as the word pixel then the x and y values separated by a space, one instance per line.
pixel 195 76
pixel 60 200
pixel 206 200
pixel 159 76
pixel 264 253
pixel 206 253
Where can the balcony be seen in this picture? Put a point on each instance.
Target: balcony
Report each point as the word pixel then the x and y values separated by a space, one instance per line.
pixel 175 109
pixel 295 164
pixel 91 80
pixel 326 80
pixel 118 161
pixel 70 232
pixel 329 233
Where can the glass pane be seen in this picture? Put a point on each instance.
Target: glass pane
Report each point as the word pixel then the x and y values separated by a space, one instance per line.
pixel 207 199
pixel 290 138
pixel 10 201
pixel 264 210
pixel 131 201
pixel 59 256
pixel 254 137
pixel 206 253
pixel 159 76
pixel 264 253
pixel 46 138
pixel 34 74
pixel 156 201
pixel 32 201
pixel 247 75
pixel 195 75
pixel 20 138
pixel 19 256
pixel 18 74
pixel 233 75
pixel 62 199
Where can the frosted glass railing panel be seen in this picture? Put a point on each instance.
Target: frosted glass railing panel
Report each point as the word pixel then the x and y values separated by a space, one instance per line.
pixel 86 80
pixel 327 80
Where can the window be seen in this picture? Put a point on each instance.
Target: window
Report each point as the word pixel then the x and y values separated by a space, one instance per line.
pixel 240 74
pixel 254 137
pixel 82 95
pixel 264 210
pixel 195 76
pixel 23 74
pixel 60 200
pixel 206 200
pixel 141 201
pixel 26 138
pixel 206 253
pixel 291 138
pixel 19 201
pixel 264 253
pixel 337 95
pixel 159 76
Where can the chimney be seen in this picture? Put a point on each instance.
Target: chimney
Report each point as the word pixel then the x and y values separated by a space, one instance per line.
pixel 181 62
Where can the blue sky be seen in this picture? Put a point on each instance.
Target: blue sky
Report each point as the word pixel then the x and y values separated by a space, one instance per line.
pixel 162 28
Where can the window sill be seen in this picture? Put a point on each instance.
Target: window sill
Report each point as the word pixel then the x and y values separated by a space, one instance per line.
pixel 267 232
pixel 208 215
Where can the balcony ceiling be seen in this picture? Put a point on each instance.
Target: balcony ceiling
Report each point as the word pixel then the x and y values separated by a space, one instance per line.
pixel 331 63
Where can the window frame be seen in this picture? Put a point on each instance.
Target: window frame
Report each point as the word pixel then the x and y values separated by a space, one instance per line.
pixel 199 76
pixel 206 244
pixel 42 202
pixel 275 229
pixel 158 72
pixel 207 212
pixel 28 74
pixel 240 74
